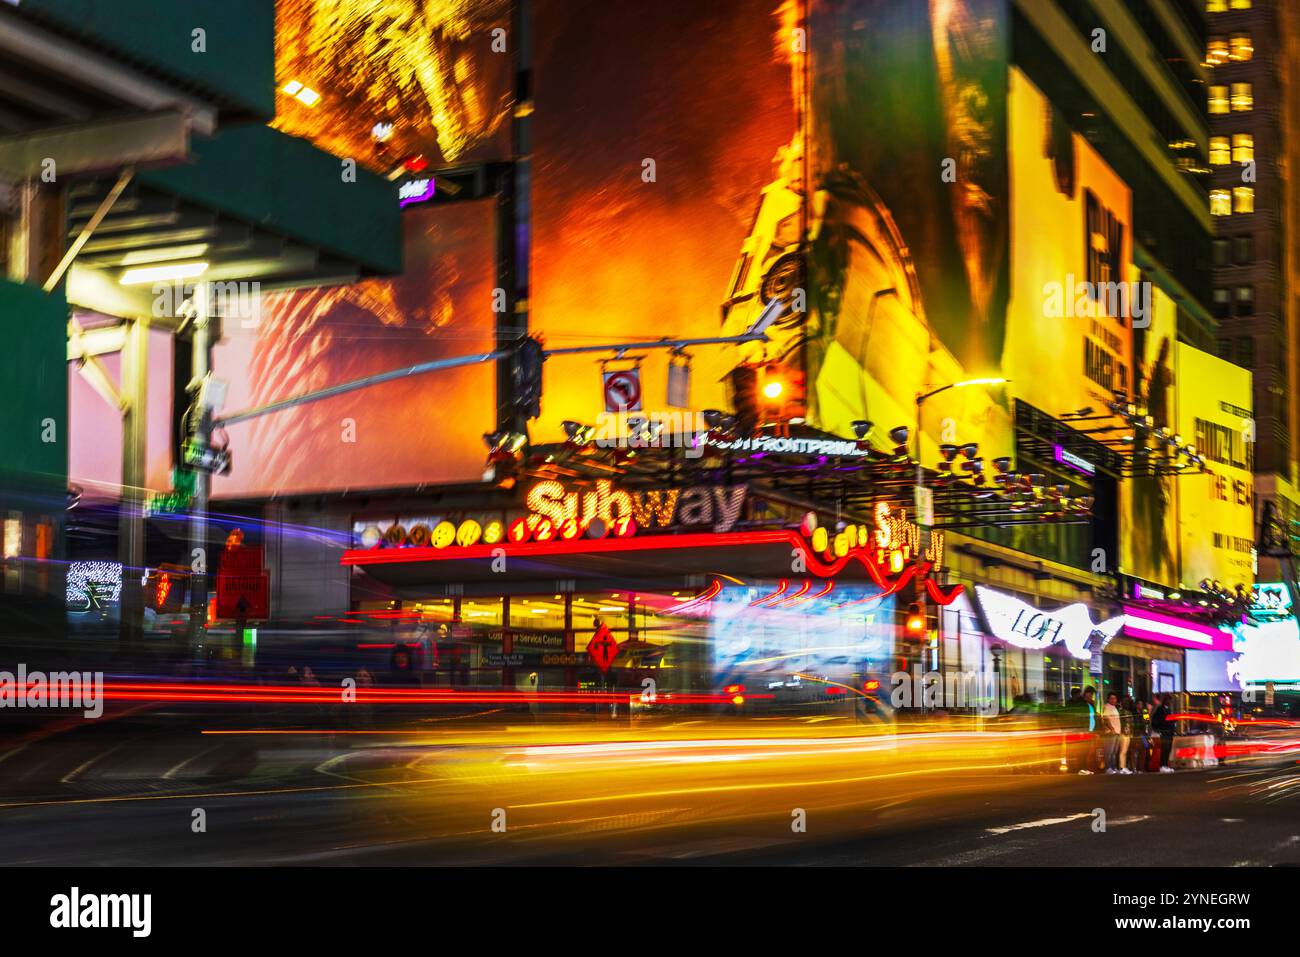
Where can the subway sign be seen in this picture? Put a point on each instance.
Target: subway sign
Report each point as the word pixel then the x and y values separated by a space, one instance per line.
pixel 554 511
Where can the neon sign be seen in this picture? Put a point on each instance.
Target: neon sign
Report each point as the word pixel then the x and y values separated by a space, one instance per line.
pixel 415 191
pixel 893 540
pixel 716 506
pixel 1021 624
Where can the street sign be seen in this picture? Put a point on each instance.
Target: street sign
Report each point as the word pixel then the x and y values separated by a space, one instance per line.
pixel 244 560
pixel 243 596
pixel 622 390
pixel 603 648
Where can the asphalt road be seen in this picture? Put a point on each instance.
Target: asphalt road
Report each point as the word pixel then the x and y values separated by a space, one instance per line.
pixel 693 792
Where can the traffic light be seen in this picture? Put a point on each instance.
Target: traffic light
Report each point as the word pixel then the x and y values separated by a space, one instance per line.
pixel 526 377
pixel 763 394
pixel 744 398
pixel 915 622
pixel 781 391
pixel 165 587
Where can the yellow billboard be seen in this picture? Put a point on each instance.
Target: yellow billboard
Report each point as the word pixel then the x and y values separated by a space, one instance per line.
pixel 1216 510
pixel 1148 503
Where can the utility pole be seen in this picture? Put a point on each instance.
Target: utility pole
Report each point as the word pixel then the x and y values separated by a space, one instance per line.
pixel 201 344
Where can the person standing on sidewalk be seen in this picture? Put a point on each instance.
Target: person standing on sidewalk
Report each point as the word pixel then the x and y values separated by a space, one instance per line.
pixel 1163 729
pixel 1110 730
pixel 1127 720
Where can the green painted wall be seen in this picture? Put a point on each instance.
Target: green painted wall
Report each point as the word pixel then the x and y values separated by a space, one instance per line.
pixel 34 379
pixel 237 70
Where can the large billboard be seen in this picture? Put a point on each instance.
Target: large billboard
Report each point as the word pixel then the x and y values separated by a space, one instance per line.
pixel 422 429
pixel 655 135
pixel 1148 503
pixel 391 80
pixel 905 153
pixel 1216 510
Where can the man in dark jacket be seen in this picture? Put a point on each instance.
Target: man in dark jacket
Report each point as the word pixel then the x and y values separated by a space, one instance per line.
pixel 1164 728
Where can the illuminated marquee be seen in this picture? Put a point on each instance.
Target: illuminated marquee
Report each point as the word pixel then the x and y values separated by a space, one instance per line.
pixel 893 541
pixel 555 512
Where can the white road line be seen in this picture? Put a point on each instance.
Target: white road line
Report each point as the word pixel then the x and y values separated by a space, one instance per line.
pixel 1045 822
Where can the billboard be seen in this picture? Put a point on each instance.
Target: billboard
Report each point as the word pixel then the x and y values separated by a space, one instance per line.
pixel 655 136
pixel 1074 290
pixel 387 80
pixel 1148 503
pixel 909 251
pixel 425 428
pixel 1216 510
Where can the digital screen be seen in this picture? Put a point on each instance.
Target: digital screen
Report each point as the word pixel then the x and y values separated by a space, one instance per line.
pixel 425 428
pixel 838 634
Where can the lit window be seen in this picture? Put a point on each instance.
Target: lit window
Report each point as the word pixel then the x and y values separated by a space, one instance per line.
pixel 1240 48
pixel 1218 99
pixel 1220 202
pixel 1240 4
pixel 1243 147
pixel 1220 155
pixel 1216 6
pixel 1243 97
pixel 1216 51
pixel 1245 296
pixel 1243 199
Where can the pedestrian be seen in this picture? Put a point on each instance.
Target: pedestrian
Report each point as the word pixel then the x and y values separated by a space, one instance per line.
pixel 1090 763
pixel 1111 730
pixel 1163 727
pixel 1127 723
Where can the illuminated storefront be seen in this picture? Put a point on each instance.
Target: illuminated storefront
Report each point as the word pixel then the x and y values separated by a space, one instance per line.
pixel 700 587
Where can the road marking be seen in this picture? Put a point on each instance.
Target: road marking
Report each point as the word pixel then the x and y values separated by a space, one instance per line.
pixel 1044 822
pixel 177 768
pixel 75 772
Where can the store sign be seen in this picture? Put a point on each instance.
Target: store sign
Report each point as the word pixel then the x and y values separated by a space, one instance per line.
pixel 556 512
pixel 1064 456
pixel 793 446
pixel 572 510
pixel 1270 602
pixel 1021 624
pixel 415 191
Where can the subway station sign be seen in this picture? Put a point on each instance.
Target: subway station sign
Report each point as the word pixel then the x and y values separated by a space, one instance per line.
pixel 554 511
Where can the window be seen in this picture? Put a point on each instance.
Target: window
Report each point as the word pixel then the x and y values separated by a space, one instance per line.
pixel 1240 49
pixel 1243 250
pixel 1216 6
pixel 1243 199
pixel 1225 349
pixel 1219 98
pixel 1245 296
pixel 1240 4
pixel 1220 202
pixel 1220 154
pixel 1246 351
pixel 1216 51
pixel 1243 147
pixel 1219 252
pixel 1243 98
pixel 1222 303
